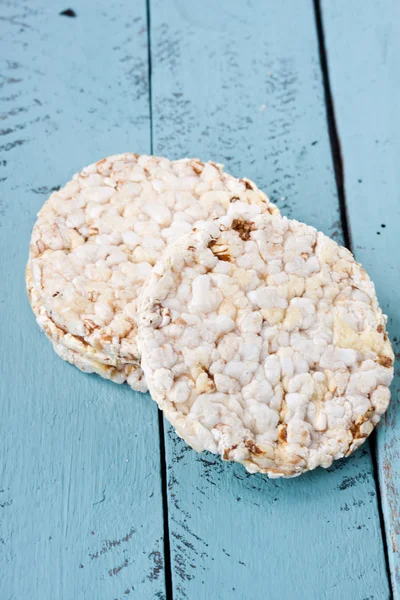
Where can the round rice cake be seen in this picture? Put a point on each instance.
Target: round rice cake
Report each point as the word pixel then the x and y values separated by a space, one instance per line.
pixel 96 240
pixel 262 340
pixel 77 352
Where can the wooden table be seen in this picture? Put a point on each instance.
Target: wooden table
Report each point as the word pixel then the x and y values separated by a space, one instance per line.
pixel 99 500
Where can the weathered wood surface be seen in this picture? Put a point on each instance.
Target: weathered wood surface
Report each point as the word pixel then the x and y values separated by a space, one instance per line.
pixel 80 486
pixel 80 492
pixel 363 55
pixel 240 82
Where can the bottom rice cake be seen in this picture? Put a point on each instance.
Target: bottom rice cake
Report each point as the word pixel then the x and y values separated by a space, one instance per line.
pixel 78 352
pixel 96 239
pixel 262 340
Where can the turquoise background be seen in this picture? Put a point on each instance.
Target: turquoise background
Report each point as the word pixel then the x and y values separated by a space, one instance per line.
pixel 99 500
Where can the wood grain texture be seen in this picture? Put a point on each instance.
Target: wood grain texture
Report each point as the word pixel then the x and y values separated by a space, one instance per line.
pixel 365 79
pixel 240 82
pixel 80 494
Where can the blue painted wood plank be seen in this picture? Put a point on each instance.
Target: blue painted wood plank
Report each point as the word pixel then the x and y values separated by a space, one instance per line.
pixel 363 54
pixel 80 492
pixel 240 82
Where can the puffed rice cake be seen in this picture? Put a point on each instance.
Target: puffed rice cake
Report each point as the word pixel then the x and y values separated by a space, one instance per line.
pixel 96 240
pixel 262 341
pixel 77 352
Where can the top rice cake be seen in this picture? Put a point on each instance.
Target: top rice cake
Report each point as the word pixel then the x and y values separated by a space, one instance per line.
pixel 262 340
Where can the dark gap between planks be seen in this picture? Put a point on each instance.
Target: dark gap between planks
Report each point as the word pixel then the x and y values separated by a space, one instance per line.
pixel 332 129
pixel 339 176
pixel 150 71
pixel 161 430
pixel 164 484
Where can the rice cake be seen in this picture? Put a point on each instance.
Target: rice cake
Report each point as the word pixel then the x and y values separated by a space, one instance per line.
pixel 96 240
pixel 77 352
pixel 262 340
